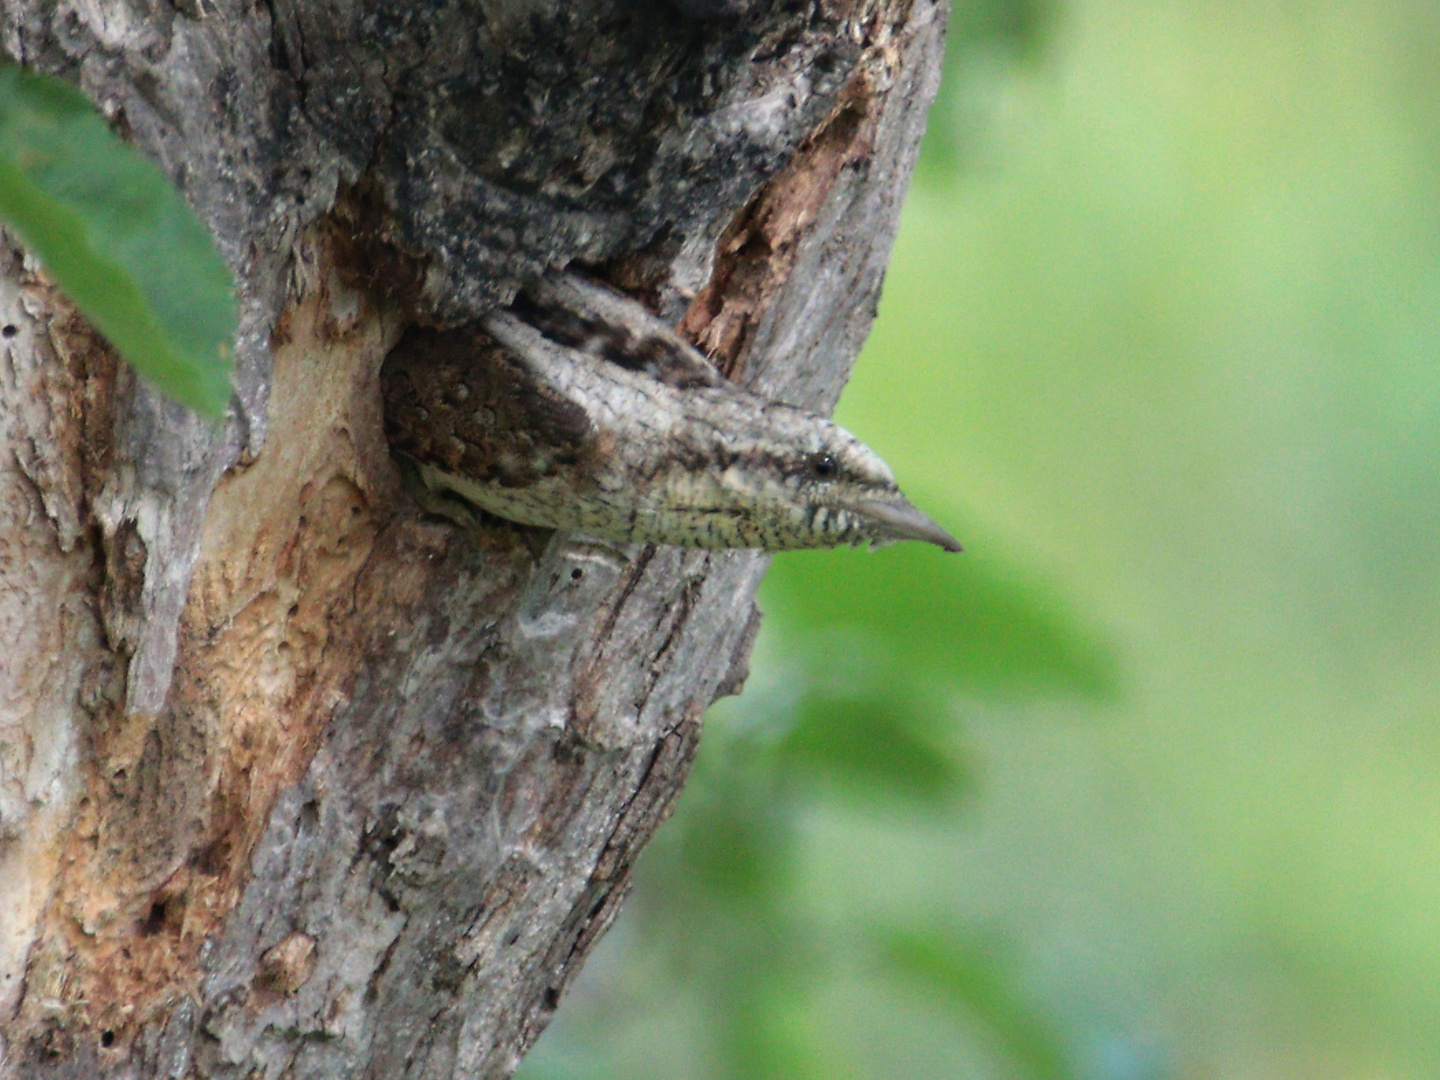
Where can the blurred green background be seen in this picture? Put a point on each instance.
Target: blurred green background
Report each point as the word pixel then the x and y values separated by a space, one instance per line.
pixel 1147 783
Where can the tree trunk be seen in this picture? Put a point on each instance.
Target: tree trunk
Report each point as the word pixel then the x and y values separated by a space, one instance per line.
pixel 296 781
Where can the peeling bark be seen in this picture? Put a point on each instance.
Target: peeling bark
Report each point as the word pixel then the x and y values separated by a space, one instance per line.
pixel 296 781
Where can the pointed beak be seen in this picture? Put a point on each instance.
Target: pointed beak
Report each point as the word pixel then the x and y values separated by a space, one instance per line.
pixel 903 522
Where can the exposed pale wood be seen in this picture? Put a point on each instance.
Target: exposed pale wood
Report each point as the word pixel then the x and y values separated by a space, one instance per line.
pixel 294 780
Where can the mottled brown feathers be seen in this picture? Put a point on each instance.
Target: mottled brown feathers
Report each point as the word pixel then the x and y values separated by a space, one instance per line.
pixel 458 400
pixel 577 409
pixel 593 318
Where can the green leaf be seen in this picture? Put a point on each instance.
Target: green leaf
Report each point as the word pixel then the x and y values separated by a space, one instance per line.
pixel 766 1032
pixel 970 619
pixel 117 238
pixel 872 745
pixel 735 840
pixel 973 981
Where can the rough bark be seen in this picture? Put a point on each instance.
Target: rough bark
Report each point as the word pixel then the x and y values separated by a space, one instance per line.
pixel 296 781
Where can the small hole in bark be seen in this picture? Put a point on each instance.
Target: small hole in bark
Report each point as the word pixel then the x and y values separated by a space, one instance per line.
pixel 107 1039
pixel 576 574
pixel 552 998
pixel 9 330
pixel 154 920
pixel 294 610
pixel 210 859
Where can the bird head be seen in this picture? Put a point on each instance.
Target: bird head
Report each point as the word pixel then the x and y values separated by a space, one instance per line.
pixel 789 479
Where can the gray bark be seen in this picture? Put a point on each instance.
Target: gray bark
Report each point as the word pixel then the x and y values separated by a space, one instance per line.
pixel 296 781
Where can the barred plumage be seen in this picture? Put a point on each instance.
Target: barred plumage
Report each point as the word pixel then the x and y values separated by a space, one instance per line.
pixel 577 409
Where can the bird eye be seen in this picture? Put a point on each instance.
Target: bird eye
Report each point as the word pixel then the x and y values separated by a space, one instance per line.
pixel 823 467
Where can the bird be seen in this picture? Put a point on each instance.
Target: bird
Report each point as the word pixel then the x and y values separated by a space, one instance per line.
pixel 577 409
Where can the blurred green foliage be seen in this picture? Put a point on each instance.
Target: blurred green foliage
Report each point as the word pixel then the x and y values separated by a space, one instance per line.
pixel 1144 785
pixel 974 978
pixel 975 619
pixel 986 41
pixel 117 238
